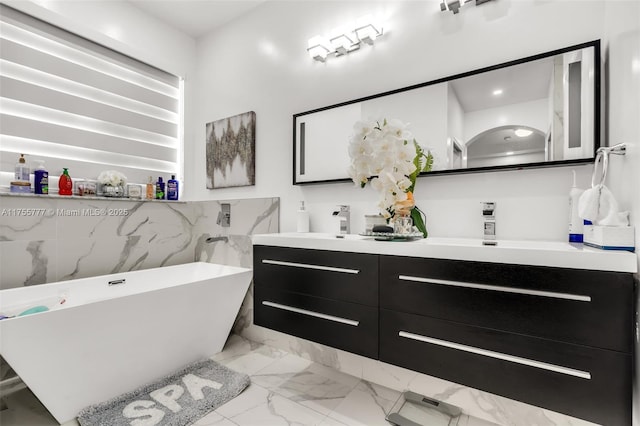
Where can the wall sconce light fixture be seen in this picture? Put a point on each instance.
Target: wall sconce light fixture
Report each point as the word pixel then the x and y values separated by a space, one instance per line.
pixel 455 5
pixel 344 42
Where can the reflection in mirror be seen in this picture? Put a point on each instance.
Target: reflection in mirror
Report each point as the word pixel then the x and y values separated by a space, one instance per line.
pixel 534 112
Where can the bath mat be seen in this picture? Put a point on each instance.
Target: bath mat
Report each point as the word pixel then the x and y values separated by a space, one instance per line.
pixel 179 399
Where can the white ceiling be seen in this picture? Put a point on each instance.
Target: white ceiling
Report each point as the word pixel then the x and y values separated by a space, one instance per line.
pixel 520 83
pixel 196 17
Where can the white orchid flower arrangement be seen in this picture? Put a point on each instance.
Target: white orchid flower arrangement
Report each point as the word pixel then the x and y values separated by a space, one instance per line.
pixel 385 154
pixel 112 178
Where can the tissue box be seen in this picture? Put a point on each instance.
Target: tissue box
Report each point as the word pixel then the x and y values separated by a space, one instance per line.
pixel 610 237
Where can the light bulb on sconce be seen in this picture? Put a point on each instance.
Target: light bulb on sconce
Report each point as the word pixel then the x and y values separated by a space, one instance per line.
pixel 367 31
pixel 345 40
pixel 455 5
pixel 343 44
pixel 318 48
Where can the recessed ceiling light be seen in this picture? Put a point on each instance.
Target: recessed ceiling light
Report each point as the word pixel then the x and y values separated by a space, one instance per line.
pixel 497 92
pixel 522 133
pixel 508 153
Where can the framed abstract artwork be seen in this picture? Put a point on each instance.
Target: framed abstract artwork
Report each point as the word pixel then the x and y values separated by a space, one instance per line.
pixel 231 151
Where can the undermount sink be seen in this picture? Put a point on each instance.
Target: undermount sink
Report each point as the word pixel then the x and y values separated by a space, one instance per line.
pixel 322 236
pixel 444 241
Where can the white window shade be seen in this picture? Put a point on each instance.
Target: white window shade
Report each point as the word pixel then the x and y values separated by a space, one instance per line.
pixel 76 104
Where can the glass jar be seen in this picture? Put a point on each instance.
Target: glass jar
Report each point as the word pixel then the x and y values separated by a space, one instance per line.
pixel 113 191
pixel 402 224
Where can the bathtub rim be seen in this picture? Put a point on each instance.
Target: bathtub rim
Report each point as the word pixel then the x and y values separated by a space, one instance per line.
pixel 47 287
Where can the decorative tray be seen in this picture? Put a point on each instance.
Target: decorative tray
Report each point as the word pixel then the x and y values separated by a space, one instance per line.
pixel 390 236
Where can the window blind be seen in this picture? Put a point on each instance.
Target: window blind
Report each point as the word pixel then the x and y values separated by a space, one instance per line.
pixel 76 104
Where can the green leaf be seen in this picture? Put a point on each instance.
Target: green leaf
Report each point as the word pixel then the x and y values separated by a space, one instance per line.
pixel 418 221
pixel 416 162
pixel 429 163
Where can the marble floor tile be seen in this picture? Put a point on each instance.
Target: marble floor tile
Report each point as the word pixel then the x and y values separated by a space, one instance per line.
pixel 247 357
pixel 214 419
pixel 280 371
pixel 23 408
pixel 252 397
pixel 237 346
pixel 278 410
pixel 366 405
pixel 317 387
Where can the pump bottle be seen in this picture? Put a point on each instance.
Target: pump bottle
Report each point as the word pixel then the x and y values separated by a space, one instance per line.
pixel 65 184
pixel 22 170
pixel 41 179
pixel 302 219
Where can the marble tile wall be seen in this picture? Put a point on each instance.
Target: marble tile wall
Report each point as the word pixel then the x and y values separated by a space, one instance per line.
pixel 52 239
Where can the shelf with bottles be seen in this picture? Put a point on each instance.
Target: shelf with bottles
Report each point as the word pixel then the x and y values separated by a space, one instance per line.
pixel 4 192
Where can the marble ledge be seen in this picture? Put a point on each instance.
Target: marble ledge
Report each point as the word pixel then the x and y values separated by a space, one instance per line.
pixel 537 253
pixel 85 197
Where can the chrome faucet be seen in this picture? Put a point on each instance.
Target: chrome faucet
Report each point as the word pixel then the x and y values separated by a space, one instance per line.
pixel 217 238
pixel 488 213
pixel 343 213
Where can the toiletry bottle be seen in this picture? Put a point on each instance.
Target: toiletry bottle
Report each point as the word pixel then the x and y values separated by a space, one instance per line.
pixel 575 222
pixel 65 184
pixel 303 219
pixel 151 189
pixel 41 179
pixel 22 170
pixel 172 188
pixel 160 189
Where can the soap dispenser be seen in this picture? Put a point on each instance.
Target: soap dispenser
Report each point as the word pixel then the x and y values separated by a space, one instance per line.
pixel 41 179
pixel 22 170
pixel 65 184
pixel 303 219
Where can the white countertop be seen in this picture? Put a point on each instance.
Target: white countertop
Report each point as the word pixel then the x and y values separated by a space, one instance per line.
pixel 541 253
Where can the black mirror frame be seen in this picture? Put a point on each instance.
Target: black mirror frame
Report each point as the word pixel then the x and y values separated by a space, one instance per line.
pixel 596 112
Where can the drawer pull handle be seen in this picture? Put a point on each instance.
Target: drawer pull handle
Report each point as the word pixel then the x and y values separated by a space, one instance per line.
pixel 498 355
pixel 307 266
pixel 311 313
pixel 567 296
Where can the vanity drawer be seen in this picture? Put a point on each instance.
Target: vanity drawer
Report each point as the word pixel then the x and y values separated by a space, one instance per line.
pixel 592 308
pixel 351 277
pixel 593 384
pixel 343 325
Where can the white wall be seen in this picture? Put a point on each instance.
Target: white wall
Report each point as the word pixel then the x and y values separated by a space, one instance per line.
pixel 507 160
pixel 531 114
pixel 259 62
pixel 623 109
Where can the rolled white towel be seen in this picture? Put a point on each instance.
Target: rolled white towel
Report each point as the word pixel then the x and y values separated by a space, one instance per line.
pixel 600 207
pixel 609 213
pixel 589 204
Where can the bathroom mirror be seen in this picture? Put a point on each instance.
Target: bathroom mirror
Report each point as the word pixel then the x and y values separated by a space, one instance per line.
pixel 538 111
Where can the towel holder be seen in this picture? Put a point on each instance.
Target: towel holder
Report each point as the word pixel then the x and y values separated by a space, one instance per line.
pixel 602 155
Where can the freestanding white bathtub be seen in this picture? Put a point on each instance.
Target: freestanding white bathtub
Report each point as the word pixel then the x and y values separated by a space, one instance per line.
pixel 106 340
